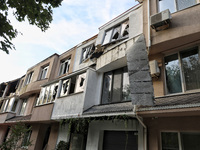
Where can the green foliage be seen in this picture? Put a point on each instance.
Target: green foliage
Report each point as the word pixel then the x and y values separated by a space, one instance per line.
pixel 18 133
pixel 38 12
pixel 62 145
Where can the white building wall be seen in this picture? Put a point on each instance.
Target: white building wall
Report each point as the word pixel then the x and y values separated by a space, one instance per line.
pixel 96 130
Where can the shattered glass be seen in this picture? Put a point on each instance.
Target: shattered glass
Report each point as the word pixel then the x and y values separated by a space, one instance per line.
pixel 80 83
pixel 65 88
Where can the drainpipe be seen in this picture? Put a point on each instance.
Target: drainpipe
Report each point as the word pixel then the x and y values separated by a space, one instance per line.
pixel 149 33
pixel 144 126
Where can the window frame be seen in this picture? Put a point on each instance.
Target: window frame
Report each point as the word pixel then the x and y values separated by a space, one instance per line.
pixel 25 101
pixel 182 76
pixel 41 76
pixel 175 6
pixel 180 143
pixel 91 51
pixel 121 87
pixel 112 31
pixel 62 66
pixel 29 78
pixel 48 95
pixel 75 90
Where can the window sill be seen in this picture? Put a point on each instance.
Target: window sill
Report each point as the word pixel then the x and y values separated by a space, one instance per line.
pixel 116 102
pixel 43 104
pixel 182 93
pixel 71 94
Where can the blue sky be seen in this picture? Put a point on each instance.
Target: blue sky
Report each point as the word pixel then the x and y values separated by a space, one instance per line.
pixel 73 22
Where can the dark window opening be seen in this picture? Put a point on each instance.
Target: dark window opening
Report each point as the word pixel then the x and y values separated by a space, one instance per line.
pixel 116 86
pixel 46 138
pixel 120 140
pixel 72 85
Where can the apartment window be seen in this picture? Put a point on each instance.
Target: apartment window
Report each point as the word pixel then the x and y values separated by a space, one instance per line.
pixel 117 33
pixel 64 66
pixel 182 71
pixel 175 5
pixel 116 86
pixel 4 105
pixel 74 84
pixel 28 78
pixel 87 52
pixel 43 73
pixel 47 94
pixel 23 107
pixel 10 104
pixel 180 141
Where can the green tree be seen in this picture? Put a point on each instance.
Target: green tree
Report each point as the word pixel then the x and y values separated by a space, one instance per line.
pixel 18 133
pixel 38 12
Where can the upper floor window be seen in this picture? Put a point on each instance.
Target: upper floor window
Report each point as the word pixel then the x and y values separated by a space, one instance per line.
pixel 47 94
pixel 74 84
pixel 175 5
pixel 116 86
pixel 183 71
pixel 116 33
pixel 43 73
pixel 28 78
pixel 87 51
pixel 64 66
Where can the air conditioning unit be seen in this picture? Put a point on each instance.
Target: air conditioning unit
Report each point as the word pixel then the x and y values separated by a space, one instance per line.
pixel 154 69
pixel 161 21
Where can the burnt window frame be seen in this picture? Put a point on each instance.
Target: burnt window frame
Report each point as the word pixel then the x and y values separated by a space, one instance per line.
pixel 112 83
pixel 112 31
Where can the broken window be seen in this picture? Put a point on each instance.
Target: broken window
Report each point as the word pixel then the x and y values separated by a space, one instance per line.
pixel 64 66
pixel 87 52
pixel 28 78
pixel 73 85
pixel 47 94
pixel 43 73
pixel 116 33
pixel 4 105
pixel 116 86
pixel 80 83
pixel 65 87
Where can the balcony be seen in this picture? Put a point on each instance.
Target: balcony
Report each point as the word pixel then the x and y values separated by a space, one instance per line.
pixel 42 112
pixel 5 116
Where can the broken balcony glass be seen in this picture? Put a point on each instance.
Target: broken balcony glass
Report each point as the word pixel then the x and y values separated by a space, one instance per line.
pixel 65 88
pixel 80 83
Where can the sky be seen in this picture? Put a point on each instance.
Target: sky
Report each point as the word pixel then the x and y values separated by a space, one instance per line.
pixel 73 22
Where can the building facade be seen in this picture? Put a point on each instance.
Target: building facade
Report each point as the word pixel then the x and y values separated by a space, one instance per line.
pixel 134 86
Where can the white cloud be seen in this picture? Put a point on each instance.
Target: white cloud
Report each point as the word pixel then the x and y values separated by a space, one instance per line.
pixel 74 22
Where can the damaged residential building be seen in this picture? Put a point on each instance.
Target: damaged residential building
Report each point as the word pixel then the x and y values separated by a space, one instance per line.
pixel 134 86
